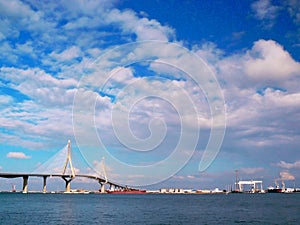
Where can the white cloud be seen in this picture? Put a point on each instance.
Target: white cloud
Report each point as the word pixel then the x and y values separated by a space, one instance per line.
pixel 293 7
pixel 16 9
pixel 86 8
pixel 5 100
pixel 120 75
pixel 68 54
pixel 265 65
pixel 286 165
pixel 26 49
pixel 267 60
pixel 261 88
pixel 16 139
pixel 264 10
pixel 209 52
pixel 187 177
pixel 144 28
pixel 82 22
pixel 29 119
pixel 40 86
pixel 17 155
pixel 275 98
pixel 285 175
pixel 262 120
pixel 21 15
pixel 252 170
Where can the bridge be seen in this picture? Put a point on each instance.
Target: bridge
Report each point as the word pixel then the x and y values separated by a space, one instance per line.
pixel 66 177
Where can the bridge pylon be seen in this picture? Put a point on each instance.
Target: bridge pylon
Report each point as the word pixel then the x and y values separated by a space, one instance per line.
pixel 102 183
pixel 69 160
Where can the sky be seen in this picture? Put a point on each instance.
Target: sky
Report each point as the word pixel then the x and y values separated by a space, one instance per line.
pixel 170 93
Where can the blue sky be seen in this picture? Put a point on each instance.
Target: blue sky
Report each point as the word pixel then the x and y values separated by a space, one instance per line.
pixel 155 87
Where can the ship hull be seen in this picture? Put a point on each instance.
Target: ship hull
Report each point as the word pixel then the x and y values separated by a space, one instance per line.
pixel 275 190
pixel 127 192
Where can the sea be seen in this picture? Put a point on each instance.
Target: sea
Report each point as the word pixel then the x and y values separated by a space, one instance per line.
pixel 38 208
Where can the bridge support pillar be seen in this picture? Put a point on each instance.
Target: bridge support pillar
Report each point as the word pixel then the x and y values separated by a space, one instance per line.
pixel 68 184
pixel 25 184
pixel 102 189
pixel 45 184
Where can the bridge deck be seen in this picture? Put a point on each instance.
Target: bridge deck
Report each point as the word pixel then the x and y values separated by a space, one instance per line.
pixel 99 179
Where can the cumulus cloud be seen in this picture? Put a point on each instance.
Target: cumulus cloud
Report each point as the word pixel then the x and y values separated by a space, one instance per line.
pixel 17 155
pixel 262 104
pixel 267 60
pixel 286 165
pixel 209 52
pixel 265 65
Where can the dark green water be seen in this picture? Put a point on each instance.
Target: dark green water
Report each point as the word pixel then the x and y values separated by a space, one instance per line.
pixel 17 208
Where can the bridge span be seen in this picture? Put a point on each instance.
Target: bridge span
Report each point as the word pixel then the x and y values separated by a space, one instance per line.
pixel 66 177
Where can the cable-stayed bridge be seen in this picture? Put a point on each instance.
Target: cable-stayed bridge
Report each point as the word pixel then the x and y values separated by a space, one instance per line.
pixel 67 173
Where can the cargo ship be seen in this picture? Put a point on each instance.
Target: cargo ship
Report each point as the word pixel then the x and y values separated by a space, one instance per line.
pixel 274 190
pixel 277 189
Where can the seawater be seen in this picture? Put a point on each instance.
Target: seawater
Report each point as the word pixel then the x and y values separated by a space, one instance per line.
pixel 17 208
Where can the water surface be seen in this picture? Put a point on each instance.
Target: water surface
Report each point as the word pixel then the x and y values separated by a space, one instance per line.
pixel 17 208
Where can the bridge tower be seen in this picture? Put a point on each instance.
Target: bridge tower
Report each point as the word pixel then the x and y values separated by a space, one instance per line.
pixel 69 160
pixel 102 184
pixel 67 178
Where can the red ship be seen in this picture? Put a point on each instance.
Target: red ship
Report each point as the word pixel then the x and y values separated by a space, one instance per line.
pixel 277 189
pixel 126 191
pixel 274 190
